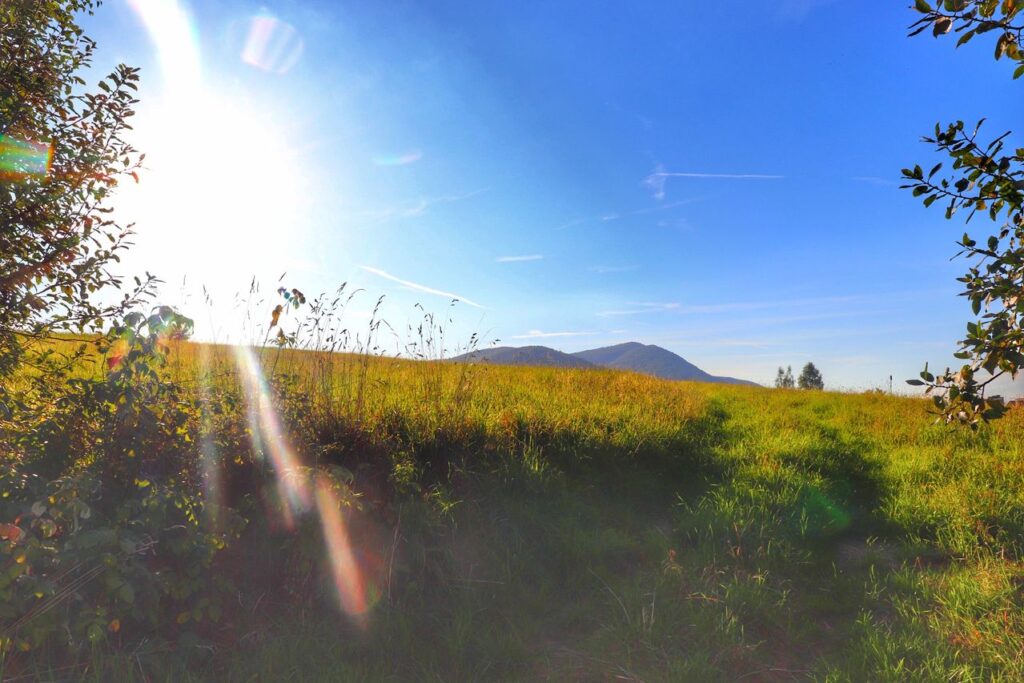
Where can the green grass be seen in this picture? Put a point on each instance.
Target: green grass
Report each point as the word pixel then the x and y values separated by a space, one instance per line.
pixel 540 524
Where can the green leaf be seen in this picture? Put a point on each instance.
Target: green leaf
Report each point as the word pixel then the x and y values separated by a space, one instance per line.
pixel 922 6
pixel 965 37
pixel 942 26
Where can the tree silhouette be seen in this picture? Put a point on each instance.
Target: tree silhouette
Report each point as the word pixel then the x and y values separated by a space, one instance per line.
pixel 810 378
pixel 784 378
pixel 62 154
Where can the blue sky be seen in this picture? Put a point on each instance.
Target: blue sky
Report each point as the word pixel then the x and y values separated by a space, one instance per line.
pixel 720 182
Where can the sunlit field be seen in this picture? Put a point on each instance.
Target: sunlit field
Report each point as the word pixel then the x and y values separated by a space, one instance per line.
pixel 581 342
pixel 540 524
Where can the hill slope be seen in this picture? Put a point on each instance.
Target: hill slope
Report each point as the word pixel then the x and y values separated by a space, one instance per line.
pixel 653 360
pixel 540 356
pixel 649 359
pixel 646 358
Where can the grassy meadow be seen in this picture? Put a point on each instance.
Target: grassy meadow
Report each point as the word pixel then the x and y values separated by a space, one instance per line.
pixel 320 504
pixel 545 524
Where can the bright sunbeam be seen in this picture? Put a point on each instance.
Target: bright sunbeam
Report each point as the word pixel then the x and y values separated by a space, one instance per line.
pixel 270 440
pixel 175 39
pixel 294 488
pixel 348 580
pixel 208 447
pixel 223 195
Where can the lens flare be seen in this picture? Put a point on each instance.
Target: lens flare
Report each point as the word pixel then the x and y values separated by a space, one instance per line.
pixel 176 40
pixel 237 158
pixel 208 448
pixel 348 580
pixel 398 159
pixel 21 159
pixel 269 439
pixel 272 45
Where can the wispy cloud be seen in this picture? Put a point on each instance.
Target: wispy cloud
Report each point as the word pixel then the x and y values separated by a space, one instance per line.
pixel 538 334
pixel 655 182
pixel 737 306
pixel 574 222
pixel 796 10
pixel 616 215
pixel 641 308
pixel 400 159
pixel 613 269
pixel 728 343
pixel 420 288
pixel 875 180
pixel 518 259
pixel 415 208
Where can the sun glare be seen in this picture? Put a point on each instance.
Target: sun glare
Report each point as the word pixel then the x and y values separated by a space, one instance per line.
pixel 222 200
pixel 222 194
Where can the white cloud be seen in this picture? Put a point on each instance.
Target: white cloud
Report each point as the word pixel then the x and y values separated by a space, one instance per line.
pixel 796 10
pixel 613 269
pixel 712 343
pixel 538 334
pixel 420 288
pixel 615 215
pixel 875 180
pixel 656 180
pixel 760 305
pixel 413 209
pixel 517 259
pixel 644 307
pixel 641 308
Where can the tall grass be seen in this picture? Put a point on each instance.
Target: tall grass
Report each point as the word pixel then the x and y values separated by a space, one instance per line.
pixel 550 524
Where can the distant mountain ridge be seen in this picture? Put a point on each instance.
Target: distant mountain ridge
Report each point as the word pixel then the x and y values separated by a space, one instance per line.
pixel 526 355
pixel 646 358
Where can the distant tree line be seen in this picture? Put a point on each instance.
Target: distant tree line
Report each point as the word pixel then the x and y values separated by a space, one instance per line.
pixel 810 378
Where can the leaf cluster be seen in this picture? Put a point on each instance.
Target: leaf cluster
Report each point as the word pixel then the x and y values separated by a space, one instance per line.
pixel 971 18
pixel 63 152
pixel 987 178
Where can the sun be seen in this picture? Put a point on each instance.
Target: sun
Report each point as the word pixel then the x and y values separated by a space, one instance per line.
pixel 221 193
pixel 222 197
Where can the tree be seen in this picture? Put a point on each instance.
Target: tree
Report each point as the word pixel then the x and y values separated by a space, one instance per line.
pixel 810 378
pixel 62 153
pixel 988 179
pixel 784 378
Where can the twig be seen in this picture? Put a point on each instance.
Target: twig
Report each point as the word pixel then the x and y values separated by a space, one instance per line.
pixel 394 549
pixel 625 612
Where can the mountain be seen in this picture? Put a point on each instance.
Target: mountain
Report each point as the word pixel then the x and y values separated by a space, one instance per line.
pixel 525 355
pixel 652 360
pixel 645 358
